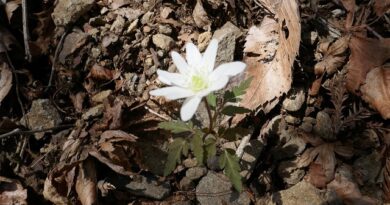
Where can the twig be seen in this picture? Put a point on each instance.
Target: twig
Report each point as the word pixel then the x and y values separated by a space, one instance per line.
pixel 26 35
pixel 53 66
pixel 19 131
pixel 155 113
pixel 243 144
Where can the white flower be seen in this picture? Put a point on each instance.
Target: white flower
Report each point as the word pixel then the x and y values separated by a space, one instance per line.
pixel 196 78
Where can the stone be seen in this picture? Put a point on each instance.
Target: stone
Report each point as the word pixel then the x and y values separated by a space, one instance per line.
pixel 165 12
pixel 307 124
pixel 93 112
pixel 118 25
pixel 248 161
pixel 216 189
pixel 368 167
pixel 162 41
pixel 42 115
pixel 129 13
pixel 147 18
pixel 291 144
pixel 294 101
pixel 69 11
pixel 302 193
pixel 188 163
pixel 145 42
pixel 290 173
pixel 226 36
pixel 72 42
pixel 148 187
pixel 196 172
pixel 186 184
pixel 101 96
pixel 323 126
pixel 132 26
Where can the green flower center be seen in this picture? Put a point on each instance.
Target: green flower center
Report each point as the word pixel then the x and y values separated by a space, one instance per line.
pixel 198 83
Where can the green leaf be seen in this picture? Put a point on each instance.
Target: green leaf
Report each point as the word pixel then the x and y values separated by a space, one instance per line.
pixel 212 100
pixel 197 147
pixel 176 126
pixel 230 163
pixel 178 147
pixel 232 110
pixel 237 91
pixel 210 147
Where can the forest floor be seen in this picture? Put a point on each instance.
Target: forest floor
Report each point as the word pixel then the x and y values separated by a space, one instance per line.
pixel 79 124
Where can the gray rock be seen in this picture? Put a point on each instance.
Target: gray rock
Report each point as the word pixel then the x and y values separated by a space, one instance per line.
pixel 41 115
pixel 212 185
pixel 251 153
pixel 186 184
pixel 291 144
pixel 190 162
pixel 196 172
pixel 162 41
pixel 147 187
pixel 69 11
pixel 307 124
pixel 226 36
pixel 323 126
pixel 145 42
pixel 290 173
pixel 294 101
pixel 129 13
pixel 302 193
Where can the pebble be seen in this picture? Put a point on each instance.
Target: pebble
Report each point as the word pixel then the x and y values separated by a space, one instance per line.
pixel 69 11
pixel 226 36
pixel 204 40
pixel 162 41
pixel 150 188
pixel 147 17
pixel 189 163
pixel 196 172
pixel 323 126
pixel 294 101
pixel 164 29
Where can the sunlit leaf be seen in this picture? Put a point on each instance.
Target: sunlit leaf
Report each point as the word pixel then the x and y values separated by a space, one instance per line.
pixel 231 110
pixel 197 147
pixel 176 126
pixel 230 163
pixel 178 147
pixel 210 148
pixel 212 100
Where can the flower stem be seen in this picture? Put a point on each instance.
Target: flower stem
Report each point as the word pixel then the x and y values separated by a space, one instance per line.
pixel 211 118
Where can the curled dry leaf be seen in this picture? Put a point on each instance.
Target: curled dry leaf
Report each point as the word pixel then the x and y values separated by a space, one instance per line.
pixel 101 73
pixel 271 50
pixel 376 90
pixel 115 4
pixel 316 175
pixel 366 54
pixel 381 7
pixel 349 5
pixel 12 192
pixel 332 56
pixel 5 80
pixel 86 183
pixel 200 16
pixel 10 7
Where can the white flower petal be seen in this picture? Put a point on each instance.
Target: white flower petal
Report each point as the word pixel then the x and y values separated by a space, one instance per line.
pixel 228 69
pixel 208 60
pixel 189 108
pixel 171 78
pixel 193 55
pixel 180 63
pixel 172 93
pixel 218 83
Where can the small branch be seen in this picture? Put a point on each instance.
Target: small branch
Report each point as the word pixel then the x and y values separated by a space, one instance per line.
pixel 156 113
pixel 243 144
pixel 53 66
pixel 26 35
pixel 19 131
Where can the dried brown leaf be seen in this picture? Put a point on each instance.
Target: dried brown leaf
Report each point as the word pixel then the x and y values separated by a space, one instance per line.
pixel 86 183
pixel 116 136
pixel 10 7
pixel 6 40
pixel 333 56
pixel 123 168
pixel 200 16
pixel 326 157
pixel 316 175
pixel 381 7
pixel 5 80
pixel 271 50
pixel 349 5
pixel 115 4
pixel 386 181
pixel 12 192
pixel 44 30
pixel 366 54
pixel 101 73
pixel 376 90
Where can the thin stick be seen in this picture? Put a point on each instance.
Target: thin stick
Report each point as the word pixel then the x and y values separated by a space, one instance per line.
pixel 243 144
pixel 155 113
pixel 26 35
pixel 19 131
pixel 53 66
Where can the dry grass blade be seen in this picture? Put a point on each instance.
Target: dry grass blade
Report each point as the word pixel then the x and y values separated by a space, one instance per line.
pixel 5 81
